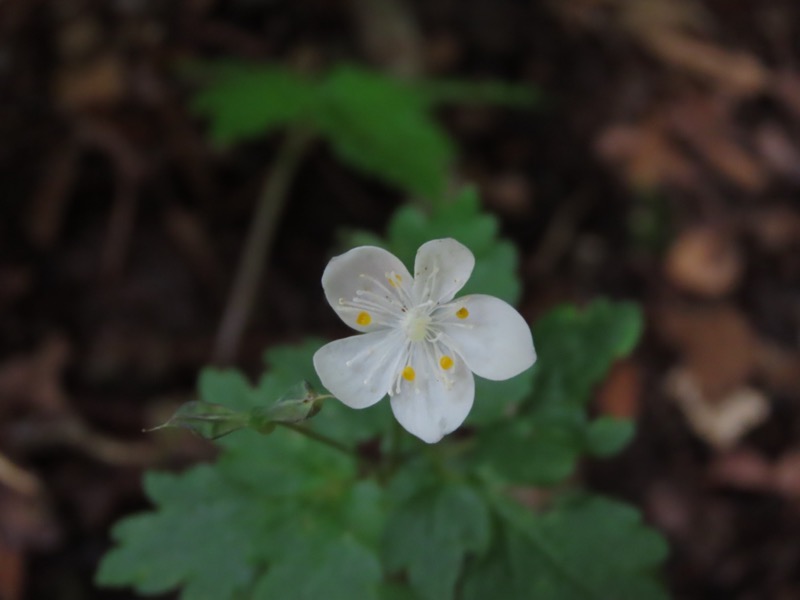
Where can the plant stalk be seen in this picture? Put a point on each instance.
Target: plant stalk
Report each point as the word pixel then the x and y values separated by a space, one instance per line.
pixel 319 437
pixel 258 245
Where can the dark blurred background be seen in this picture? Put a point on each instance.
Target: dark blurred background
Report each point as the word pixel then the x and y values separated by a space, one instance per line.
pixel 664 167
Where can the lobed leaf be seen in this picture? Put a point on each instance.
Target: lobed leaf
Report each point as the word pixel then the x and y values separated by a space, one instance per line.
pixel 545 439
pixel 430 536
pixel 589 548
pixel 244 101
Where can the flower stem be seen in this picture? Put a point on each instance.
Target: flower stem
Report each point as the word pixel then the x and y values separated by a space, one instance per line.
pixel 319 437
pixel 258 244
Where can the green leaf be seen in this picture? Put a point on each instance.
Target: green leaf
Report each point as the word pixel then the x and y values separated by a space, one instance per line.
pixel 606 436
pixel 245 101
pixel 201 538
pixel 384 127
pixel 589 548
pixel 337 568
pixel 380 125
pixel 431 535
pixel 540 450
pixel 498 400
pixel 270 504
pixel 578 347
pixel 226 387
pixel 278 514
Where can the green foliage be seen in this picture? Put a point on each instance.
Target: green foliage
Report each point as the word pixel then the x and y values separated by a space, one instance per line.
pixel 375 123
pixel 586 549
pixel 431 534
pixel 385 128
pixel 244 101
pixel 576 349
pixel 250 524
pixel 382 516
pixel 282 516
pixel 606 436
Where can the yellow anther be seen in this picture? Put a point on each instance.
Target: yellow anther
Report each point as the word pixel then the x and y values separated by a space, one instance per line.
pixel 446 362
pixel 409 374
pixel 462 313
pixel 399 279
pixel 392 283
pixel 363 319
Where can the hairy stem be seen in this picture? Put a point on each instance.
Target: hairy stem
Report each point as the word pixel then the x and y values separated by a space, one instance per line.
pixel 258 244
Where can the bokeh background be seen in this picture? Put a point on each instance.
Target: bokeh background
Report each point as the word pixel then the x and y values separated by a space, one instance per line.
pixel 661 164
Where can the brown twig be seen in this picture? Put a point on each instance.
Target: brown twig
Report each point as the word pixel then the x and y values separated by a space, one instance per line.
pixel 17 478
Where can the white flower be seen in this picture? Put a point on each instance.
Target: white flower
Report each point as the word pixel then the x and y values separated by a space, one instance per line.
pixel 417 344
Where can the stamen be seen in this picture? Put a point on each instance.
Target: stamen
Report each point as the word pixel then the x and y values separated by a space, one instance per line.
pixel 431 352
pixel 462 313
pixel 429 283
pixel 408 353
pixel 387 292
pixel 363 319
pixel 409 374
pixel 446 362
pixel 359 302
pixel 396 281
pixel 379 315
pixel 380 298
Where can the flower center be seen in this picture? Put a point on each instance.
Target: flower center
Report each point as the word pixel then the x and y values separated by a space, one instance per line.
pixel 416 326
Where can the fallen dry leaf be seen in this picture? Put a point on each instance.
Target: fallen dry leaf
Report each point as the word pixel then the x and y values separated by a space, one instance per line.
pixel 707 124
pixel 100 82
pixel 705 261
pixel 738 73
pixel 620 394
pixel 645 155
pixel 750 470
pixel 717 344
pixel 721 422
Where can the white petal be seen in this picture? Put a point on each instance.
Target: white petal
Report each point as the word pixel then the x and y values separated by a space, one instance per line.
pixel 359 370
pixel 441 268
pixel 493 339
pixel 360 275
pixel 437 401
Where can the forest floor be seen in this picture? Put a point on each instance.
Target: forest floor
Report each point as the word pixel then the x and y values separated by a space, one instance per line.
pixel 663 167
